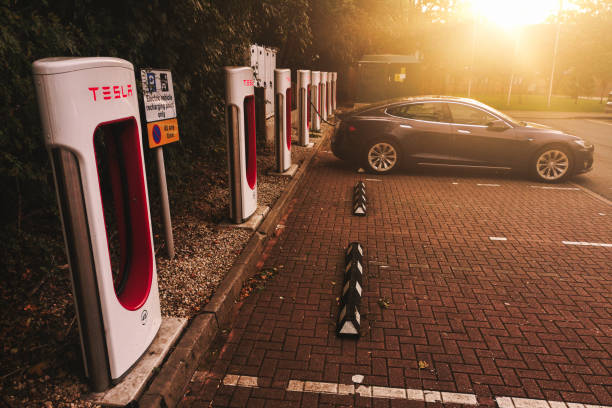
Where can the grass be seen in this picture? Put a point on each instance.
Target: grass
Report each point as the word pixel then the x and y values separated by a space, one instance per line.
pixel 539 102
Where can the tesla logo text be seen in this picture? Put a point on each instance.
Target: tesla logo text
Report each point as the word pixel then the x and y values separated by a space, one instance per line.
pixel 111 92
pixel 248 82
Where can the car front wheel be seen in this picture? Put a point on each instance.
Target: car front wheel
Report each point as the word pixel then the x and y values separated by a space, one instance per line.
pixel 382 156
pixel 552 164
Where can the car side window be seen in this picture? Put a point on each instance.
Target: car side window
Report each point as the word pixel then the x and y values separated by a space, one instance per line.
pixel 466 115
pixel 431 112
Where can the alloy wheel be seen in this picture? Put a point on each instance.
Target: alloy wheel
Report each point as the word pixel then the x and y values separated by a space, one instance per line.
pixel 552 165
pixel 382 157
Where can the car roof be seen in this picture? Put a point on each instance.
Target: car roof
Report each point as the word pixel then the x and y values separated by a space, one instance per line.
pixel 424 98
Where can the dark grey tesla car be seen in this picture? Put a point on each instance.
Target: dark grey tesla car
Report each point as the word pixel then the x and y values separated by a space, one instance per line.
pixel 450 131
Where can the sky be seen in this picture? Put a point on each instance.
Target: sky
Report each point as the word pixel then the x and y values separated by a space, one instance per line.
pixel 514 13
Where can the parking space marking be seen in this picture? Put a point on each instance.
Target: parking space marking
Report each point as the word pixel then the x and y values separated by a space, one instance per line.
pixel 390 393
pixel 368 179
pixel 488 185
pixel 603 122
pixel 581 243
pixel 455 183
pixel 515 402
pixel 556 188
pixel 498 238
pixel 240 381
pixel 382 392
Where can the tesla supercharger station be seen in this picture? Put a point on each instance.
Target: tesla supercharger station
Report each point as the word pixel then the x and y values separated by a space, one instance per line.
pixel 303 104
pixel 91 123
pixel 315 100
pixel 334 83
pixel 323 96
pixel 241 142
pixel 282 119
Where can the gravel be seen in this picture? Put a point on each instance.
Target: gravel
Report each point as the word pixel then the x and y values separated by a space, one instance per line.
pixel 205 250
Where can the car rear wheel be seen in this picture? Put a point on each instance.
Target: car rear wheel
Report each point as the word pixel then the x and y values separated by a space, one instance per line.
pixel 382 156
pixel 552 164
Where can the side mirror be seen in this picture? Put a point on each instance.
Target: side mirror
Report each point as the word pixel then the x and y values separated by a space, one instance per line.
pixel 497 125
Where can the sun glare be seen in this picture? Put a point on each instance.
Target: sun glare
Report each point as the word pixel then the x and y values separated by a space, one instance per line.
pixel 514 13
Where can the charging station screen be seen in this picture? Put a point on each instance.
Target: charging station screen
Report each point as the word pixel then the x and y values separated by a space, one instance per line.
pixel 122 186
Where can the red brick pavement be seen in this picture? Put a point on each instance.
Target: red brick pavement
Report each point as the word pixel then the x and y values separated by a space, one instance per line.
pixel 527 317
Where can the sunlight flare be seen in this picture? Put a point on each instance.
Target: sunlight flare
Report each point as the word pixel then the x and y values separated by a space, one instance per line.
pixel 515 13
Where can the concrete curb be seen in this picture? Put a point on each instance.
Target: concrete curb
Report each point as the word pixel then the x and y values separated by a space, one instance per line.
pixel 168 387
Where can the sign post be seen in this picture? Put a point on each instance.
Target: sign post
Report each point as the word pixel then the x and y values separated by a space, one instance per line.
pixel 162 128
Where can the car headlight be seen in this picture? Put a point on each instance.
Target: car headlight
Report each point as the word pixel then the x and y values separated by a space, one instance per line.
pixel 582 143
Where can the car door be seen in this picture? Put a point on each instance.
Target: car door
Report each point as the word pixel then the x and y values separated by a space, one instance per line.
pixel 475 143
pixel 423 130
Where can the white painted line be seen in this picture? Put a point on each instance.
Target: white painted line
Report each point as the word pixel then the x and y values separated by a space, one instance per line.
pixel 387 392
pixel 601 213
pixel 514 402
pixel 240 381
pixel 382 392
pixel 556 188
pixel 345 389
pixel 433 396
pixel 603 122
pixel 488 185
pixel 529 403
pixel 320 387
pixel 498 238
pixel 231 379
pixel 415 395
pixel 373 179
pixel 247 381
pixel 295 385
pixel 504 402
pixel 364 391
pixel 404 393
pixel 596 244
pixel 458 398
pixel 455 183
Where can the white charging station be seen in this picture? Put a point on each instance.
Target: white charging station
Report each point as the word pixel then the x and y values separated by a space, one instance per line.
pixel 282 119
pixel 91 123
pixel 333 86
pixel 323 95
pixel 241 142
pixel 315 100
pixel 303 103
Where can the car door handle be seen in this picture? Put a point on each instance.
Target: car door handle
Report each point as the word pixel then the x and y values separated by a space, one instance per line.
pixel 465 132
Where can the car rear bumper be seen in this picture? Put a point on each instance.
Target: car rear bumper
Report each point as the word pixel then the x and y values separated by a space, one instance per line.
pixel 337 146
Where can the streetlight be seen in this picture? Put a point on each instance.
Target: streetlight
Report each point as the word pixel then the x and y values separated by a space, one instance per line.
pixel 516 47
pixel 552 74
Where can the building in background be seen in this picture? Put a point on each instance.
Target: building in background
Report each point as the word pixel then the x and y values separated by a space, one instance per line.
pixel 386 76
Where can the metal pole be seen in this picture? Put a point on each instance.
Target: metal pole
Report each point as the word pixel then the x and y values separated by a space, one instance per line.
pixel 516 45
pixel 469 93
pixel 163 192
pixel 552 74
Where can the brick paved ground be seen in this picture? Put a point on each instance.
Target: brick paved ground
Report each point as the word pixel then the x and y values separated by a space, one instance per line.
pixel 526 317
